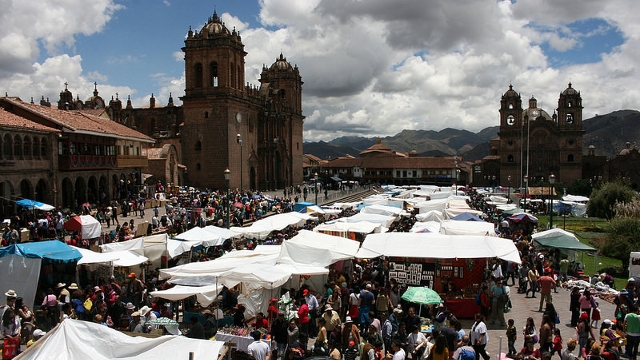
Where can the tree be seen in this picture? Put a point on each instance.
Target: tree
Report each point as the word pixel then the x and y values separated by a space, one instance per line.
pixel 603 199
pixel 623 231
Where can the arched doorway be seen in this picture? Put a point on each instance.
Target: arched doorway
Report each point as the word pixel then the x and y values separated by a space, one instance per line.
pixel 92 190
pixel 114 187
pixel 80 193
pixel 103 190
pixel 26 190
pixel 42 192
pixel 6 193
pixel 67 193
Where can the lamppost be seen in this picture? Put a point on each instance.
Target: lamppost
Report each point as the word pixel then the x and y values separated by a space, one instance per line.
pixel 552 180
pixel 315 186
pixel 455 164
pixel 509 189
pixel 526 181
pixel 227 175
pixel 239 141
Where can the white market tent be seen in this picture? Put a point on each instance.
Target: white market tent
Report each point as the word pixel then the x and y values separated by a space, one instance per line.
pixel 453 227
pixel 343 227
pixel 382 210
pixel 317 249
pixel 204 294
pixel 427 206
pixel 431 215
pixel 426 226
pixel 81 340
pixel 262 228
pixel 383 220
pixel 437 246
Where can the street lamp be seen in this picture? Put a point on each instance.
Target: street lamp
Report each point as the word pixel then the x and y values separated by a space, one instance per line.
pixel 315 186
pixel 509 189
pixel 239 141
pixel 227 175
pixel 552 180
pixel 455 164
pixel 526 181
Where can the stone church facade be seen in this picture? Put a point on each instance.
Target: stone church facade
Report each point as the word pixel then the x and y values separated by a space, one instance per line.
pixel 534 143
pixel 224 122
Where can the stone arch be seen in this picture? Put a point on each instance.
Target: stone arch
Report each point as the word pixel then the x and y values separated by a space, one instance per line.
pixel 43 193
pixel 7 147
pixel 103 190
pixel 26 148
pixel 35 152
pixel 92 190
pixel 44 153
pixel 6 194
pixel 67 193
pixel 17 147
pixel 80 193
pixel 26 189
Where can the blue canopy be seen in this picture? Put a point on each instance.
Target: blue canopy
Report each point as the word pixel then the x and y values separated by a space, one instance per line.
pixel 465 216
pixel 53 250
pixel 301 206
pixel 31 204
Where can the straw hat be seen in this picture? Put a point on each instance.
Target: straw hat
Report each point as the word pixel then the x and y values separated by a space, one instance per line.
pixel 11 294
pixel 73 286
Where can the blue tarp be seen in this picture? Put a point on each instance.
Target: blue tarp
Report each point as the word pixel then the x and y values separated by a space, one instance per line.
pixel 465 216
pixel 302 206
pixel 53 250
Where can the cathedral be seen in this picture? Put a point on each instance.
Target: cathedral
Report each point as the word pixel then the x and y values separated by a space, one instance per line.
pixel 532 144
pixel 224 122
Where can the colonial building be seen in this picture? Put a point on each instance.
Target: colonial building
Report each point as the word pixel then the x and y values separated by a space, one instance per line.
pixel 380 164
pixel 532 144
pixel 66 157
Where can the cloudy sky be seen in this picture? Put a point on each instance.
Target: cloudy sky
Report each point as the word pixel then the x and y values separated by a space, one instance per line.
pixel 370 67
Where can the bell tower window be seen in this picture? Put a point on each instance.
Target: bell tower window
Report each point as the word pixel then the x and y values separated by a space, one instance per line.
pixel 198 75
pixel 213 70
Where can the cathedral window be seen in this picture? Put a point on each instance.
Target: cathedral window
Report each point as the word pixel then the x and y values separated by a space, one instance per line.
pixel 198 167
pixel 213 69
pixel 6 147
pixel 569 118
pixel 198 75
pixel 26 147
pixel 570 158
pixel 206 114
pixel 510 158
pixel 17 147
pixel 510 106
pixel 282 93
pixel 36 148
pixel 233 75
pixel 198 145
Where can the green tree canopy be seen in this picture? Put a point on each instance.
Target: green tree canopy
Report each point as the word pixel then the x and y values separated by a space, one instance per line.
pixel 602 200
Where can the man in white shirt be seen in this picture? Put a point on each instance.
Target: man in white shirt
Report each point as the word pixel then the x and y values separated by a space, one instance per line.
pixel 417 342
pixel 398 352
pixel 258 350
pixel 479 337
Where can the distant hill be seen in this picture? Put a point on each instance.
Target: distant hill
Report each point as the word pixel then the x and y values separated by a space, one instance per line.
pixel 608 133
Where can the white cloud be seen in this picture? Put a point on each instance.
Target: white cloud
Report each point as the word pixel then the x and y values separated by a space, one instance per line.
pixel 369 68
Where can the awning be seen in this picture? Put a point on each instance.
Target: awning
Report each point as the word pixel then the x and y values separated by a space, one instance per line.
pixel 33 204
pixel 52 250
pixel 560 239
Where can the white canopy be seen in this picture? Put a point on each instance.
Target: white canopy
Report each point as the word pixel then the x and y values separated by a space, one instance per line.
pixel 383 220
pixel 262 228
pixel 437 204
pixel 363 227
pixel 437 246
pixel 381 210
pixel 426 226
pixel 81 340
pixel 575 198
pixel 453 227
pixel 203 235
pixel 316 249
pixel 92 257
pixel 431 215
pixel 204 294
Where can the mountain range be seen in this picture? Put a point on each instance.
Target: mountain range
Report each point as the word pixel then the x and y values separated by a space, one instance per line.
pixel 608 133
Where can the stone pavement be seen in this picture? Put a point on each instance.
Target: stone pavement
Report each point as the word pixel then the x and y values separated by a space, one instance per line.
pixel 528 307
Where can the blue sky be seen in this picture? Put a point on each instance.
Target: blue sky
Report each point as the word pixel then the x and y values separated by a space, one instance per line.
pixel 370 67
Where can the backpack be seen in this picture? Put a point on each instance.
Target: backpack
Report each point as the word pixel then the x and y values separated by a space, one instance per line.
pixel 466 354
pixel 478 300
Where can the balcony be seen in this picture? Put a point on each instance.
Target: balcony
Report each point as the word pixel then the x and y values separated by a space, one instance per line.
pixel 82 162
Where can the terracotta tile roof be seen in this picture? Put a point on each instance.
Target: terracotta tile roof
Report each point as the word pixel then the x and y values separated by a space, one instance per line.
pixel 80 122
pixel 393 162
pixel 12 120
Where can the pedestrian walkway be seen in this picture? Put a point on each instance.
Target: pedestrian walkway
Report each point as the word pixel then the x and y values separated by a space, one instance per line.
pixel 528 307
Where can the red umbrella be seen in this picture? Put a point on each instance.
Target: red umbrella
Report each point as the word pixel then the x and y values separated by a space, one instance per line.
pixel 75 224
pixel 238 204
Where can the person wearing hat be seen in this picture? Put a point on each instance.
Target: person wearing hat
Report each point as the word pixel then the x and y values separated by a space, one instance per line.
pixel 584 331
pixel 331 318
pixel 350 332
pixel 11 301
pixel 314 309
pixel 136 325
pixel 136 289
pixel 63 294
pixel 37 334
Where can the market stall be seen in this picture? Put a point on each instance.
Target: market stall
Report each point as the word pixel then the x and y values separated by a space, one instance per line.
pixel 453 265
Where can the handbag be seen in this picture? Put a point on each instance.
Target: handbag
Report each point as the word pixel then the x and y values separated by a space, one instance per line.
pixel 10 349
pixel 535 339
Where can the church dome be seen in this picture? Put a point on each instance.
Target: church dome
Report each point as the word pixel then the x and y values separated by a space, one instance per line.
pixel 281 64
pixel 214 26
pixel 569 91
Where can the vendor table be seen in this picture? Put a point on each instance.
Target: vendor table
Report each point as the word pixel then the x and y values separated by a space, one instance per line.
pixel 462 308
pixel 241 341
